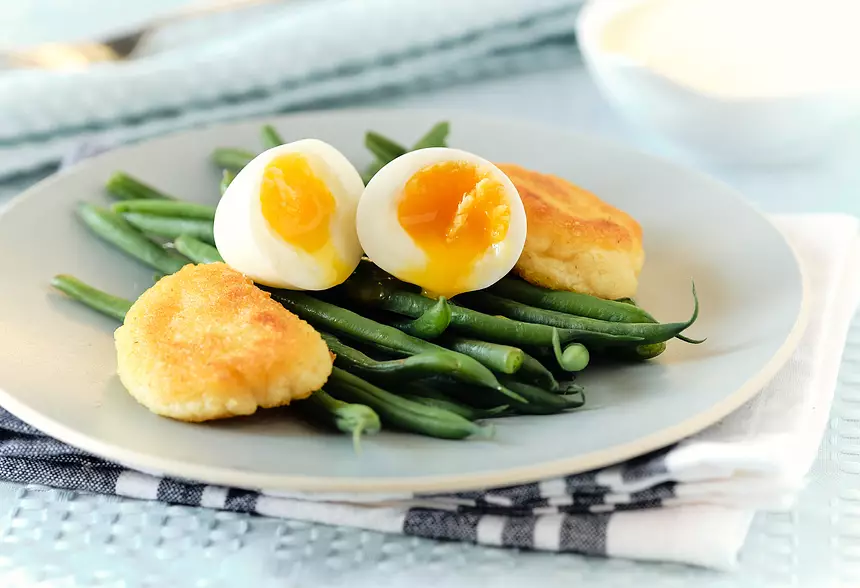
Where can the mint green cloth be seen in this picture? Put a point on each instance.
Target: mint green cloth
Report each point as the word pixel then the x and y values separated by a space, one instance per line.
pixel 316 54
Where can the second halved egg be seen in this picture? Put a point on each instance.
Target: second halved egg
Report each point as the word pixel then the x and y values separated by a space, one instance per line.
pixel 443 219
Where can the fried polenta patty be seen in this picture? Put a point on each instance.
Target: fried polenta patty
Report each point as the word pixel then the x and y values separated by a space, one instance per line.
pixel 576 241
pixel 206 343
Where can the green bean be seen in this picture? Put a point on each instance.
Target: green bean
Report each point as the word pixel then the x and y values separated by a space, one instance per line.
pixel 534 371
pixel 383 295
pixel 435 137
pixel 227 177
pixel 163 226
pixel 618 310
pixel 637 353
pixel 569 387
pixel 107 304
pixel 371 171
pixel 541 401
pixel 231 158
pixel 646 332
pixel 420 365
pixel 117 231
pixel 271 137
pixel 387 150
pixel 329 317
pixel 439 400
pixel 125 187
pixel 574 358
pixel 352 419
pixel 502 358
pixel 196 250
pixel 382 147
pixel 401 412
pixel 651 353
pixel 430 324
pixel 569 302
pixel 169 208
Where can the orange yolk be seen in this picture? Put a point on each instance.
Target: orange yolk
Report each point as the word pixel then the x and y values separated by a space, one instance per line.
pixel 298 206
pixel 454 212
pixel 296 203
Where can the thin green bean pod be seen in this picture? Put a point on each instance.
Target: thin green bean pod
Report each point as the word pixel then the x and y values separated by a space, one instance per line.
pixel 540 401
pixel 117 231
pixel 637 353
pixel 401 412
pixel 125 187
pixel 435 137
pixel 171 228
pixel 430 324
pixel 535 372
pixel 196 250
pixel 569 387
pixel 652 352
pixel 501 358
pixel 371 170
pixel 645 332
pixel 227 177
pixel 231 158
pixel 421 365
pixel 166 208
pixel 440 400
pixel 271 137
pixel 382 147
pixel 352 419
pixel 107 304
pixel 574 357
pixel 569 302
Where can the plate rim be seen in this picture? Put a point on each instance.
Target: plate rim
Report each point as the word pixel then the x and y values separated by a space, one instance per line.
pixel 227 476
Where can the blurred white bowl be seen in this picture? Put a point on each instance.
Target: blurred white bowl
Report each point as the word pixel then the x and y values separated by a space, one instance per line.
pixel 737 130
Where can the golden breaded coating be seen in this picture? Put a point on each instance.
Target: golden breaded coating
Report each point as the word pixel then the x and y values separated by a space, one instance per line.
pixel 206 343
pixel 575 241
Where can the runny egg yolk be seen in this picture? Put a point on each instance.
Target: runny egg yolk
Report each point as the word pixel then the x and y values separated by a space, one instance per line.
pixel 298 206
pixel 454 213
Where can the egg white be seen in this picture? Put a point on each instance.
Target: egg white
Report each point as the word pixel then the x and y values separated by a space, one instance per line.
pixel 247 242
pixel 390 247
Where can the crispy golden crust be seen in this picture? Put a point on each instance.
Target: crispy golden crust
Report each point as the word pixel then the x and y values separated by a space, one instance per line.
pixel 205 343
pixel 576 241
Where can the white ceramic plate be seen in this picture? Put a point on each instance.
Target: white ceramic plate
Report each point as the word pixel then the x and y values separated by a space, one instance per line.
pixel 57 359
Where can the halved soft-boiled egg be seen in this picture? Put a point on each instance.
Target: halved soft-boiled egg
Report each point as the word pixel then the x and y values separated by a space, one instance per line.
pixel 288 219
pixel 443 219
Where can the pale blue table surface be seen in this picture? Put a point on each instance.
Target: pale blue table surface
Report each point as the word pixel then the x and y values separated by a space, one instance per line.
pixel 63 539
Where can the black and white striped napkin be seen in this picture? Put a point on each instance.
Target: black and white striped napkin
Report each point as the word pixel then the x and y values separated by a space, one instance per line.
pixel 691 502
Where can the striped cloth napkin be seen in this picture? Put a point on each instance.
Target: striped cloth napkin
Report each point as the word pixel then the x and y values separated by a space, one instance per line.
pixel 691 502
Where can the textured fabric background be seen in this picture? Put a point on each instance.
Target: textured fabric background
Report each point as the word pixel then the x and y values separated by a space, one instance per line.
pixel 314 54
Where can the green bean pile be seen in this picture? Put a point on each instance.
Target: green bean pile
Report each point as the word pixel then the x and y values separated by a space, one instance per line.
pixel 433 367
